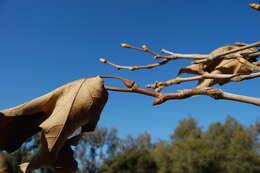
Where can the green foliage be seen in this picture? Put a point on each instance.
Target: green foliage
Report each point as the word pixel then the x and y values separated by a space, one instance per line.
pixel 190 152
pixel 95 147
pixel 129 161
pixel 187 128
pixel 224 147
pixel 227 147
pixel 161 154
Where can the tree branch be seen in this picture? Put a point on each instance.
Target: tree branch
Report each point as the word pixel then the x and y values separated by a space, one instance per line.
pixel 182 56
pixel 132 68
pixel 160 85
pixel 211 58
pixel 212 92
pixel 232 63
pixel 182 94
pixel 245 77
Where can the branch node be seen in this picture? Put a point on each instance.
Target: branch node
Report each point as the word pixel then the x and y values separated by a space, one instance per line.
pixel 214 93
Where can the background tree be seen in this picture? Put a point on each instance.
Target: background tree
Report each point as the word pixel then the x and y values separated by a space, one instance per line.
pixel 190 152
pixel 95 147
pixel 222 147
pixel 128 161
pixel 135 156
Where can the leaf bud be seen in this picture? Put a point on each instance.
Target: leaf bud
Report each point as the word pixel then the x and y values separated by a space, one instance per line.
pixel 126 45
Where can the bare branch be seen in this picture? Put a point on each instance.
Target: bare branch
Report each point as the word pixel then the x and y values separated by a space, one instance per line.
pixel 182 56
pixel 182 94
pixel 212 92
pixel 232 63
pixel 172 56
pixel 132 68
pixel 246 77
pixel 160 85
pixel 135 90
pixel 211 58
pixel 144 48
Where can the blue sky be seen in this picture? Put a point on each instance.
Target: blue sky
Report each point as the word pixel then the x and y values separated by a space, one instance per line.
pixel 45 44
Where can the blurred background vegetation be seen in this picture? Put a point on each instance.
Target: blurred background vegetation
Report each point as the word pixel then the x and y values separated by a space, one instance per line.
pixel 223 147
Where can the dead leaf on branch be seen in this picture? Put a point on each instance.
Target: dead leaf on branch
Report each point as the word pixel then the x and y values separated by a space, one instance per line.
pixel 219 66
pixel 57 114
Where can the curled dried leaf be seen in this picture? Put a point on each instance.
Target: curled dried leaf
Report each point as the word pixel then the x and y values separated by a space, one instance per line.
pixel 57 114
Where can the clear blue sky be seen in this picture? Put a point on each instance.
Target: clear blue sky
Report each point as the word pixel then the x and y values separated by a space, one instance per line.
pixel 47 43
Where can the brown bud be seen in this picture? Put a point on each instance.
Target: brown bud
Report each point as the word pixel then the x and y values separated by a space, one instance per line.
pixel 102 60
pixel 126 45
pixel 128 83
pixel 157 56
pixel 236 79
pixel 131 68
pixel 255 6
pixel 145 47
pixel 158 90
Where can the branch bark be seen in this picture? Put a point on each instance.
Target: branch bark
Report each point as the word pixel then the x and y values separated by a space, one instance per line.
pixel 232 63
pixel 132 68
pixel 182 94
pixel 211 58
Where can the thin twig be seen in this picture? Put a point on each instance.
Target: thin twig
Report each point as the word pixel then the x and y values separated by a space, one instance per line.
pixel 178 80
pixel 211 58
pixel 212 92
pixel 132 68
pixel 182 94
pixel 246 77
pixel 158 86
pixel 134 90
pixel 182 56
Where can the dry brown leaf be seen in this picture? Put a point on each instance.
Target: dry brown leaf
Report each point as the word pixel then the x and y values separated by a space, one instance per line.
pixel 224 66
pixel 192 69
pixel 57 114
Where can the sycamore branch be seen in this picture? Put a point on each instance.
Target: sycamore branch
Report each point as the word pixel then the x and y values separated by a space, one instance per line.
pixel 158 86
pixel 182 94
pixel 178 80
pixel 166 59
pixel 233 63
pixel 132 68
pixel 182 56
pixel 219 55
